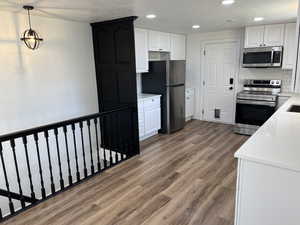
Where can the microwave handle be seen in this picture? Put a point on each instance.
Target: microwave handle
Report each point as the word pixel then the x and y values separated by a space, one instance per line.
pixel 272 57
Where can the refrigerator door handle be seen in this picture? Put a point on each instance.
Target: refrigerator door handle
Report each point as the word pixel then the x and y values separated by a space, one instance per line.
pixel 175 85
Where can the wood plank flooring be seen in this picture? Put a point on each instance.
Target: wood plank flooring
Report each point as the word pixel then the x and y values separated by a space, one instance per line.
pixel 187 178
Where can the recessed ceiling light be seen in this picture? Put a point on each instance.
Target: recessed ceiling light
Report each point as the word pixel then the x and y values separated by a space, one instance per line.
pixel 257 19
pixel 151 16
pixel 228 2
pixel 196 26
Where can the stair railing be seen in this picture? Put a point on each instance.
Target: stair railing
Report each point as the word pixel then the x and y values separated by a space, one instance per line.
pixel 38 163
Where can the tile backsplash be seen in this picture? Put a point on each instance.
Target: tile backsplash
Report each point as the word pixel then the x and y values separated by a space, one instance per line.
pixel 268 74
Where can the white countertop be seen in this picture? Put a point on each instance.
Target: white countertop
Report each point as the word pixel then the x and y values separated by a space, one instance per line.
pixel 143 96
pixel 190 88
pixel 286 94
pixel 277 142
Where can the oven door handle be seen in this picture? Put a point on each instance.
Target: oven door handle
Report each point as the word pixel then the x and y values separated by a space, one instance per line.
pixel 250 102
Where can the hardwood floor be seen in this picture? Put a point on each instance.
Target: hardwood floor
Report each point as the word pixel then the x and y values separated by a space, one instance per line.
pixel 187 178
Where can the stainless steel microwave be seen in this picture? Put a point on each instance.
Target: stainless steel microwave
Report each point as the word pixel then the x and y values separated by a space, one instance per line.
pixel 263 57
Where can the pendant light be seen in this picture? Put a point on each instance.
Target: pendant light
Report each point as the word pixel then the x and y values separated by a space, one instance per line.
pixel 30 36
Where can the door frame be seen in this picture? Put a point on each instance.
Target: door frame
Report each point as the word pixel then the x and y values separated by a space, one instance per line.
pixel 202 64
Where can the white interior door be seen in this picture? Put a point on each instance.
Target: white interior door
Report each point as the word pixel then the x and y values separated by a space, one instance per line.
pixel 220 69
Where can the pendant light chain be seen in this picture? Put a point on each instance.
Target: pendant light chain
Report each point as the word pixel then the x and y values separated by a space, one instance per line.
pixel 29 19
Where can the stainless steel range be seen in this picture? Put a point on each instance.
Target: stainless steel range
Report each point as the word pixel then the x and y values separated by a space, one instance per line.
pixel 256 104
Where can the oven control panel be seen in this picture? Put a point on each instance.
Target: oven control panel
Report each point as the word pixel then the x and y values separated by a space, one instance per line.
pixel 275 82
pixel 263 83
pixel 266 86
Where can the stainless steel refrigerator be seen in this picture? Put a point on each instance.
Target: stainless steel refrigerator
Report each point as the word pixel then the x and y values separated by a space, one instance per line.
pixel 167 78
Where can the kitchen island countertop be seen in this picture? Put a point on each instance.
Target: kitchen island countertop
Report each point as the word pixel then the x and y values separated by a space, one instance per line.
pixel 277 142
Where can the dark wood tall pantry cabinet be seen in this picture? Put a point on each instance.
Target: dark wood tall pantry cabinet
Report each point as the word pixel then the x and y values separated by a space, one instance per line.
pixel 114 52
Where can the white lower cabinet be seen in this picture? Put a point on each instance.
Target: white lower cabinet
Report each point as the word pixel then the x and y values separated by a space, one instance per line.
pixel 141 119
pixel 266 195
pixel 189 103
pixel 152 120
pixel 149 116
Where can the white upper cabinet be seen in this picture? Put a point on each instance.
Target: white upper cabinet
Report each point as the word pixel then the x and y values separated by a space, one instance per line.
pixel 165 42
pixel 274 35
pixel 261 36
pixel 154 40
pixel 159 41
pixel 289 51
pixel 149 40
pixel 178 43
pixel 141 50
pixel 254 36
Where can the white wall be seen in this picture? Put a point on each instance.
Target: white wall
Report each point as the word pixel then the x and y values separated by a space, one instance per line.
pixel 55 82
pixel 195 54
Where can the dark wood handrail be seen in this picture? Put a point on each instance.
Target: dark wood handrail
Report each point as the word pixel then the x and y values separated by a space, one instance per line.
pixel 22 133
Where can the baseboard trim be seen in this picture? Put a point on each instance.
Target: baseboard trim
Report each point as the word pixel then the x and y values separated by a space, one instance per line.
pixel 148 135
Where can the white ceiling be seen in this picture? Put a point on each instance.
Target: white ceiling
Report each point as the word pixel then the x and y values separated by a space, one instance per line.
pixel 172 15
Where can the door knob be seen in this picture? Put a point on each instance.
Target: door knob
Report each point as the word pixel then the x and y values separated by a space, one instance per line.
pixel 231 88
